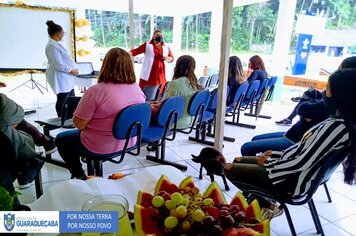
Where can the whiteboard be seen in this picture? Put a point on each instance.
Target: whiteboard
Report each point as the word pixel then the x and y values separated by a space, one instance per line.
pixel 23 35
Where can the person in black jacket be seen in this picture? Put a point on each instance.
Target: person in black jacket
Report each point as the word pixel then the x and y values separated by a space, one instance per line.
pixel 258 69
pixel 311 112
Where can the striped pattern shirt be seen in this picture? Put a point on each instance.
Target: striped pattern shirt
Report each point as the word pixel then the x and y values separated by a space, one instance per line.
pixel 295 168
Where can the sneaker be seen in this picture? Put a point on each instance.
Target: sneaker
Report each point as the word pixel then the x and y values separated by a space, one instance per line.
pixel 270 214
pixel 295 99
pixel 50 147
pixel 284 122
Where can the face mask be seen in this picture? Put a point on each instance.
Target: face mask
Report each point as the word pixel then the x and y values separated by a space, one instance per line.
pixel 330 104
pixel 159 39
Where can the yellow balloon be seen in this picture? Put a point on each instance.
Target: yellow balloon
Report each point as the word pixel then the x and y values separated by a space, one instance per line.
pixel 85 22
pixel 84 38
pixel 79 23
pixel 81 52
pixel 19 3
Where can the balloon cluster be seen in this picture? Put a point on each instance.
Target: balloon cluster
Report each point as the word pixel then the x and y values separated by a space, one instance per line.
pixel 83 32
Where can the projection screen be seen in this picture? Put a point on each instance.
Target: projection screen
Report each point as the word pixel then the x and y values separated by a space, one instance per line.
pixel 23 35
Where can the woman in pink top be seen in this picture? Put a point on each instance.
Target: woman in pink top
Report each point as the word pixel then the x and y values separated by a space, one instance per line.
pixel 97 110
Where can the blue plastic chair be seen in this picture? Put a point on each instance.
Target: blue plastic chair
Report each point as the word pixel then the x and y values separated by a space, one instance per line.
pixel 151 92
pixel 271 85
pixel 323 171
pixel 196 108
pixel 213 81
pixel 130 122
pixel 158 132
pixel 204 81
pixel 257 98
pixel 233 110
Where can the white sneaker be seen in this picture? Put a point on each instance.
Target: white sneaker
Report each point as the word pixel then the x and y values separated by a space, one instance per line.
pixel 270 214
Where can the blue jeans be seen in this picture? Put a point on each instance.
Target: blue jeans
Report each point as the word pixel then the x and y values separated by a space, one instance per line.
pixel 261 143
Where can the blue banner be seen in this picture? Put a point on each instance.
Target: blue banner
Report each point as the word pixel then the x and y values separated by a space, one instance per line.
pixel 88 221
pixel 302 54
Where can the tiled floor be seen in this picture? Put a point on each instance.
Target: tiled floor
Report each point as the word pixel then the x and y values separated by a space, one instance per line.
pixel 337 218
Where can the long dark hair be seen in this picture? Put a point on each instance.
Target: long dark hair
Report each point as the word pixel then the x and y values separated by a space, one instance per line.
pixel 342 87
pixel 185 67
pixel 235 69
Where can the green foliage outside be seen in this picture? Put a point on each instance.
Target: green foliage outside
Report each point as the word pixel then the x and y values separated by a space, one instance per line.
pixel 251 25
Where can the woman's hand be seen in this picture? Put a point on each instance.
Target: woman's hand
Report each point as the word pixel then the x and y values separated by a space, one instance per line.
pixel 168 59
pixel 238 159
pixel 261 160
pixel 79 123
pixel 74 72
pixel 228 166
pixel 267 153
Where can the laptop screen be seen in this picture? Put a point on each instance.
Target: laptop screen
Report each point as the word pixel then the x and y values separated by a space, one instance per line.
pixel 85 68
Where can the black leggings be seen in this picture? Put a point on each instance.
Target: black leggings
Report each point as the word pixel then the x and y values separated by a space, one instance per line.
pixel 61 99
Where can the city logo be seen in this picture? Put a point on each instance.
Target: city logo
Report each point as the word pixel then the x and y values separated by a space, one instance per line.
pixel 9 221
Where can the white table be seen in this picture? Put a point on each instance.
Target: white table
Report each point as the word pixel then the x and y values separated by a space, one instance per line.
pixel 85 82
pixel 71 194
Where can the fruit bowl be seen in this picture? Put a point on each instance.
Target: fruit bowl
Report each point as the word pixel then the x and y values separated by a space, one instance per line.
pixel 183 210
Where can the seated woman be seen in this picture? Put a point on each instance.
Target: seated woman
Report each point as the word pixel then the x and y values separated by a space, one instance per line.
pixel 184 83
pixel 310 112
pixel 97 110
pixel 258 69
pixel 290 171
pixel 236 77
pixel 314 96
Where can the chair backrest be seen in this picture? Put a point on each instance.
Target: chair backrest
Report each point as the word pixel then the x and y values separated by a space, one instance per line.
pixel 252 90
pixel 132 120
pixel 168 107
pixel 151 92
pixel 165 88
pixel 261 89
pixel 239 95
pixel 271 85
pixel 198 102
pixel 69 107
pixel 203 80
pixel 213 103
pixel 214 80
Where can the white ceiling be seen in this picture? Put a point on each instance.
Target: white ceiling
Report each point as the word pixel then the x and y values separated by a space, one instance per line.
pixel 155 7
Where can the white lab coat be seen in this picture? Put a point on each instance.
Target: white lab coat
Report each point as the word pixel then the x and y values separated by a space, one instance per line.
pixel 60 63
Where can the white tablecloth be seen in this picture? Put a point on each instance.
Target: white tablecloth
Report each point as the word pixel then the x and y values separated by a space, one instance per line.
pixel 71 194
pixel 85 82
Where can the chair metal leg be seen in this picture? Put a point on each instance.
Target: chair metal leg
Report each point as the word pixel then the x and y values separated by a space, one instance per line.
pixel 289 219
pixel 314 213
pixel 90 167
pixel 161 158
pixel 327 192
pixel 38 185
pixel 98 166
pixel 240 124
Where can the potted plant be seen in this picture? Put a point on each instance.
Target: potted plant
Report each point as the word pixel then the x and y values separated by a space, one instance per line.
pixel 7 201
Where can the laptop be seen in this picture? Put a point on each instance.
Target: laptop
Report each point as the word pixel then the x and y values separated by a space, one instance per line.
pixel 86 70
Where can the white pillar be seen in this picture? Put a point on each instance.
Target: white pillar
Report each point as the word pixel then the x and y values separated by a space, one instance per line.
pixel 177 35
pixel 131 23
pixel 215 34
pixel 282 41
pixel 225 40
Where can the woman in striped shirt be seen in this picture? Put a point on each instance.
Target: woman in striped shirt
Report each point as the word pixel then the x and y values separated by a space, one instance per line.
pixel 292 169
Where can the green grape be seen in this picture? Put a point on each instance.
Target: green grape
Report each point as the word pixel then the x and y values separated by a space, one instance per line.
pixel 181 211
pixel 208 201
pixel 185 227
pixel 169 204
pixel 176 198
pixel 198 215
pixel 171 222
pixel 185 202
pixel 157 201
